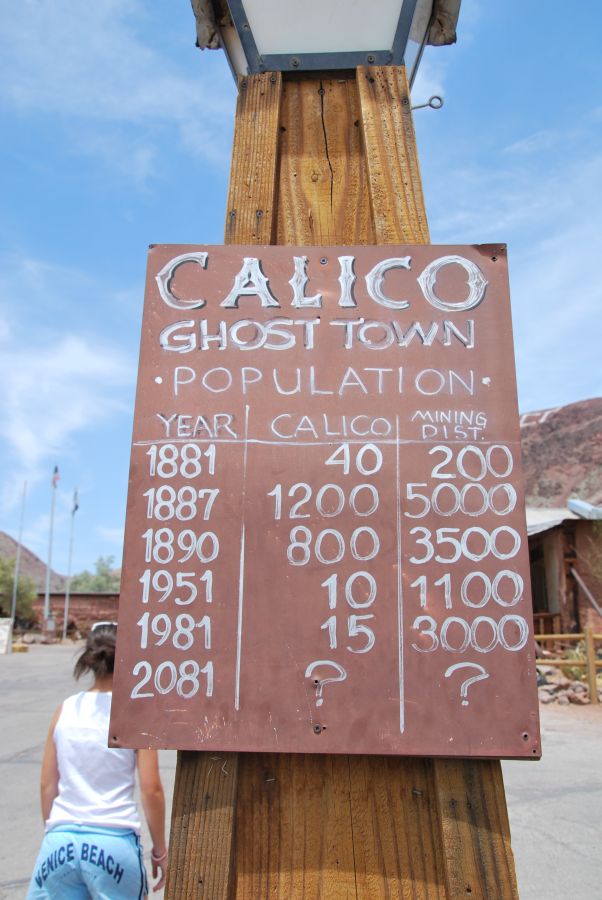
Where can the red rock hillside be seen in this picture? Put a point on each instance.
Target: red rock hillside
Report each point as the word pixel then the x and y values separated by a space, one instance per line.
pixel 562 454
pixel 30 564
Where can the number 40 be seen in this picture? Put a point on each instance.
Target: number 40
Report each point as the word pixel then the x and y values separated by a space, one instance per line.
pixel 368 459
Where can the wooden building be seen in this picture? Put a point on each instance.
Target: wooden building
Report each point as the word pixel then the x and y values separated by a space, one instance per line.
pixel 565 551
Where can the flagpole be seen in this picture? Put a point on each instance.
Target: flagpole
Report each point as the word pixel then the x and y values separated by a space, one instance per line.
pixel 13 609
pixel 47 616
pixel 68 585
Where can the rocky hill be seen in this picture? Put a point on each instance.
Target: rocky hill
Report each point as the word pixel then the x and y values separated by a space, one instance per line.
pixel 30 564
pixel 562 454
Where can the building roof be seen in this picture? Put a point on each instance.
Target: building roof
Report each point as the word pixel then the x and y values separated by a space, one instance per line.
pixel 540 520
pixel 544 518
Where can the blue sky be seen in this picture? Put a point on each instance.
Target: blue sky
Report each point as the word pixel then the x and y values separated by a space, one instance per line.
pixel 117 133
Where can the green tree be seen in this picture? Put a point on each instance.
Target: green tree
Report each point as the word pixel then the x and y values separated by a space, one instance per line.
pixel 105 578
pixel 26 590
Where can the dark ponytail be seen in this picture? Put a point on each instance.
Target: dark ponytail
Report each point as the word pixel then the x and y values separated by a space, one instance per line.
pixel 98 656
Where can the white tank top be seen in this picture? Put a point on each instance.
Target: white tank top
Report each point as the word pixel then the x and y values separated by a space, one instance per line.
pixel 96 782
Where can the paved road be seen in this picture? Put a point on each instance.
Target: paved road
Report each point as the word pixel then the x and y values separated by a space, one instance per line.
pixel 555 808
pixel 31 687
pixel 555 805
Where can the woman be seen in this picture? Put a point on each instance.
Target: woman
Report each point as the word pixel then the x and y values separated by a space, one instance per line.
pixel 92 845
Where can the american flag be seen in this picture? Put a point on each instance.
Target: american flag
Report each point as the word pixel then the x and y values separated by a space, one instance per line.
pixel 75 502
pixel 55 477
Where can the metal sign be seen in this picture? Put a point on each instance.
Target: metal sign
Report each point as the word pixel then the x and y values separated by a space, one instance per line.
pixel 325 543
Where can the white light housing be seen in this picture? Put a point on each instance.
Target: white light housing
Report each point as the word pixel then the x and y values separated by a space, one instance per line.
pixel 298 35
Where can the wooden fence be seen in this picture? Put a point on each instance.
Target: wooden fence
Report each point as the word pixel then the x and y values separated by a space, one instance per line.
pixel 545 622
pixel 591 662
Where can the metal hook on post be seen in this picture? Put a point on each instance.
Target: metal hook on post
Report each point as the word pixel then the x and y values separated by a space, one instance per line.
pixel 434 102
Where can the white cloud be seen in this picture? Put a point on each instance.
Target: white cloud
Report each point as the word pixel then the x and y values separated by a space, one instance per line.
pixel 556 302
pixel 5 328
pixel 125 154
pixel 36 531
pixel 38 294
pixel 85 64
pixel 542 199
pixel 58 380
pixel 29 284
pixel 54 389
pixel 111 535
pixel 429 80
pixel 542 141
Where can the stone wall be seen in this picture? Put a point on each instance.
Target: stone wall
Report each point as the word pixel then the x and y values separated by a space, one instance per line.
pixel 84 609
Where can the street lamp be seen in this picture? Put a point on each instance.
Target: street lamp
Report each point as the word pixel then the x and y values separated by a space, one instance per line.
pixel 341 170
pixel 273 36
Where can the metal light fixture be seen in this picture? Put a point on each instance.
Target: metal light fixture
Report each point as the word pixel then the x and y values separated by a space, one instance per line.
pixel 301 35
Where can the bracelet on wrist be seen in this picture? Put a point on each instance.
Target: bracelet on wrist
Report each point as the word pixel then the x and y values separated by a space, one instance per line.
pixel 158 858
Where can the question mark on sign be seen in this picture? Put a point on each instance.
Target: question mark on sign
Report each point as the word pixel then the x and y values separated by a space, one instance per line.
pixel 466 684
pixel 321 682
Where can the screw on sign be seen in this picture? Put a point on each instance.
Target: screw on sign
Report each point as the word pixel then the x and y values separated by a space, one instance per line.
pixel 325 507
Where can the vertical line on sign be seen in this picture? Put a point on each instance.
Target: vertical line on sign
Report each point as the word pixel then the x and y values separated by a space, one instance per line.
pixel 399 584
pixel 241 570
pixel 241 576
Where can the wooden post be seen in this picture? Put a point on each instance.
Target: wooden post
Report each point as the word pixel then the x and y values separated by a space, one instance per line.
pixel 323 160
pixel 590 656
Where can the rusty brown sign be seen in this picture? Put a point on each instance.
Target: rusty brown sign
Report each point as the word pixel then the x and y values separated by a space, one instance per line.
pixel 325 542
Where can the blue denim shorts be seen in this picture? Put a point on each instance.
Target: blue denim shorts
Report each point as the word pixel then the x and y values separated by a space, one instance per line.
pixel 82 862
